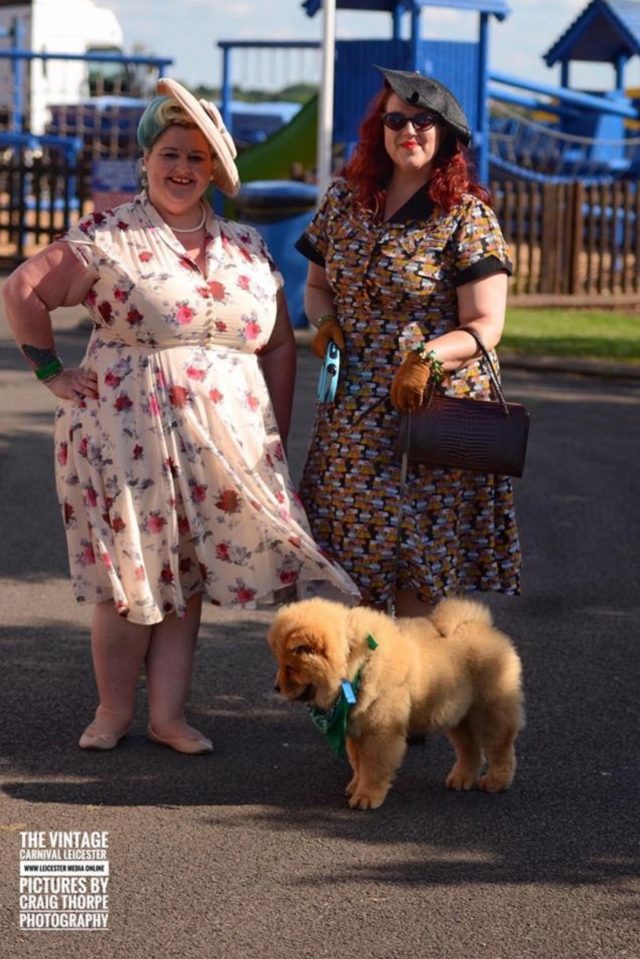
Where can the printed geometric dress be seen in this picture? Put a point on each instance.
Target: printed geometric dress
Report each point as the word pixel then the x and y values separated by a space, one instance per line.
pixel 174 481
pixel 458 529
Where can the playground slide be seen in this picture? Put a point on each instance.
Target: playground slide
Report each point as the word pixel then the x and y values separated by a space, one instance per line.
pixel 294 142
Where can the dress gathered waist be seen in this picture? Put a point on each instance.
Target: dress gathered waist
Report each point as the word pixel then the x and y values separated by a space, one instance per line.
pixel 203 342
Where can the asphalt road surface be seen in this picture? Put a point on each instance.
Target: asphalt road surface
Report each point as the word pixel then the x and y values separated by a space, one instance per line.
pixel 252 851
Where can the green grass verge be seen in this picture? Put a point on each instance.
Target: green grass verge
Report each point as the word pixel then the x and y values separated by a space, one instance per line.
pixel 579 333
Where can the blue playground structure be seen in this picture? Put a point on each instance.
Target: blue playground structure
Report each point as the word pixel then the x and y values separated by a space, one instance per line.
pixel 522 131
pixel 585 135
pixel 462 66
pixel 533 134
pixel 520 128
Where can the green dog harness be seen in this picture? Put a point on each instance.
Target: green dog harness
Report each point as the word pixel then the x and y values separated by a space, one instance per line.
pixel 332 723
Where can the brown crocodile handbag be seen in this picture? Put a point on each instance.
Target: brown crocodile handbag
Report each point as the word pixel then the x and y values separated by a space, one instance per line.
pixel 483 436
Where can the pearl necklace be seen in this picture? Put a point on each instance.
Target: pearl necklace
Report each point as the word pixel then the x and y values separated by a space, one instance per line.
pixel 190 229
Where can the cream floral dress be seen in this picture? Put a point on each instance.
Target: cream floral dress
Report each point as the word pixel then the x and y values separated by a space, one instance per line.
pixel 174 481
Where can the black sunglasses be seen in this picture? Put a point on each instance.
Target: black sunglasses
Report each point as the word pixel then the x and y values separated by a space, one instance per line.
pixel 421 121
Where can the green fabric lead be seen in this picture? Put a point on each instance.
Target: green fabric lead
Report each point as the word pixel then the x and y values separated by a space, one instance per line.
pixel 332 723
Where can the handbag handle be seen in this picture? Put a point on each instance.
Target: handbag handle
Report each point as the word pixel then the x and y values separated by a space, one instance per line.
pixel 493 373
pixel 493 376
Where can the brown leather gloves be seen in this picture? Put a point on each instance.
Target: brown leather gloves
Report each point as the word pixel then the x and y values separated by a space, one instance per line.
pixel 409 383
pixel 329 329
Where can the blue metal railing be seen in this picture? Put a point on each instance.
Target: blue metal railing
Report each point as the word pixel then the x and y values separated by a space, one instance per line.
pixel 18 54
pixel 227 46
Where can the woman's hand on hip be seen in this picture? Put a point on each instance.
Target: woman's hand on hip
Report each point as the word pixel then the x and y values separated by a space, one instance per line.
pixel 75 384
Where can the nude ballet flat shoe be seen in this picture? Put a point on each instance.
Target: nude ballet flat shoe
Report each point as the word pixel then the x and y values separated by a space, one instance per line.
pixel 91 739
pixel 105 731
pixel 182 744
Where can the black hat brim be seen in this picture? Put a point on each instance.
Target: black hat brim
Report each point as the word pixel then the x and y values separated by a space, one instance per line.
pixel 417 90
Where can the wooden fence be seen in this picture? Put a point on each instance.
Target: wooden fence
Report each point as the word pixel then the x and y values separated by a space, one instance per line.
pixel 571 243
pixel 40 197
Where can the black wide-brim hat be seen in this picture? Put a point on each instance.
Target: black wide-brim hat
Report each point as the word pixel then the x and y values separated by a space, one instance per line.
pixel 416 90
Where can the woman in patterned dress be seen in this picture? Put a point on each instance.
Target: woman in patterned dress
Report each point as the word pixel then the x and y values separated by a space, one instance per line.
pixel 169 439
pixel 405 243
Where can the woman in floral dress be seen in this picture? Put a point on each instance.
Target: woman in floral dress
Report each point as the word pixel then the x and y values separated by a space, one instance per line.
pixel 169 440
pixel 405 243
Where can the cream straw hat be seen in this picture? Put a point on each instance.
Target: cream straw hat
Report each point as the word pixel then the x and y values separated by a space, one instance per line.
pixel 208 119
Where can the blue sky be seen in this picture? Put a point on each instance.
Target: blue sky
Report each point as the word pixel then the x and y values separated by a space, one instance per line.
pixel 188 31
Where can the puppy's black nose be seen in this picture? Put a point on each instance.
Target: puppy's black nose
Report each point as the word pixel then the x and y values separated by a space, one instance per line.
pixel 277 687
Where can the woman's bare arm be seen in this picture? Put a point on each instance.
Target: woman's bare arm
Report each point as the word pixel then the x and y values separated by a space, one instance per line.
pixel 482 306
pixel 50 279
pixel 318 295
pixel 278 361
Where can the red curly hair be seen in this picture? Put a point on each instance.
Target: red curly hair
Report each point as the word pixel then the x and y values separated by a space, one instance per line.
pixel 370 167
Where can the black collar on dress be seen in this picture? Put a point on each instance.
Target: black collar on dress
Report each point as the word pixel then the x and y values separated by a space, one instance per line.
pixel 418 207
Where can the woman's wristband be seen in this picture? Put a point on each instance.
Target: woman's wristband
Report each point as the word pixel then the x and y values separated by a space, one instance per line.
pixel 48 372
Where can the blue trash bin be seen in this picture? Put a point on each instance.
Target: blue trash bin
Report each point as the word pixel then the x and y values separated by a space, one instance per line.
pixel 281 210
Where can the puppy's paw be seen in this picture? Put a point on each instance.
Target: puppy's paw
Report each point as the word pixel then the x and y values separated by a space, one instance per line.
pixel 494 782
pixel 461 777
pixel 352 786
pixel 368 799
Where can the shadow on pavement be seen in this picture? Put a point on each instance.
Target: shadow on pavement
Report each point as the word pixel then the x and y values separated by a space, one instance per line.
pixel 569 818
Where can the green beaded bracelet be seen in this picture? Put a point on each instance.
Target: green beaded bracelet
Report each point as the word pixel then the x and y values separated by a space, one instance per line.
pixel 436 366
pixel 49 371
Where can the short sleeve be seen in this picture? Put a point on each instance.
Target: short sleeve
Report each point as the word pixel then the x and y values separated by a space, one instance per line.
pixel 82 240
pixel 315 240
pixel 480 248
pixel 94 239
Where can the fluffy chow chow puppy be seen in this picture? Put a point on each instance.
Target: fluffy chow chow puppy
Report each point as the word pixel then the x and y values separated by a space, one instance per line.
pixel 372 681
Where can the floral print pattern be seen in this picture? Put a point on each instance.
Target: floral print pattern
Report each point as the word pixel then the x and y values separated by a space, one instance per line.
pixel 458 529
pixel 174 481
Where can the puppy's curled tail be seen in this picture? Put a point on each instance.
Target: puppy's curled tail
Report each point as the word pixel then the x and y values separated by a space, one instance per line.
pixel 453 612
